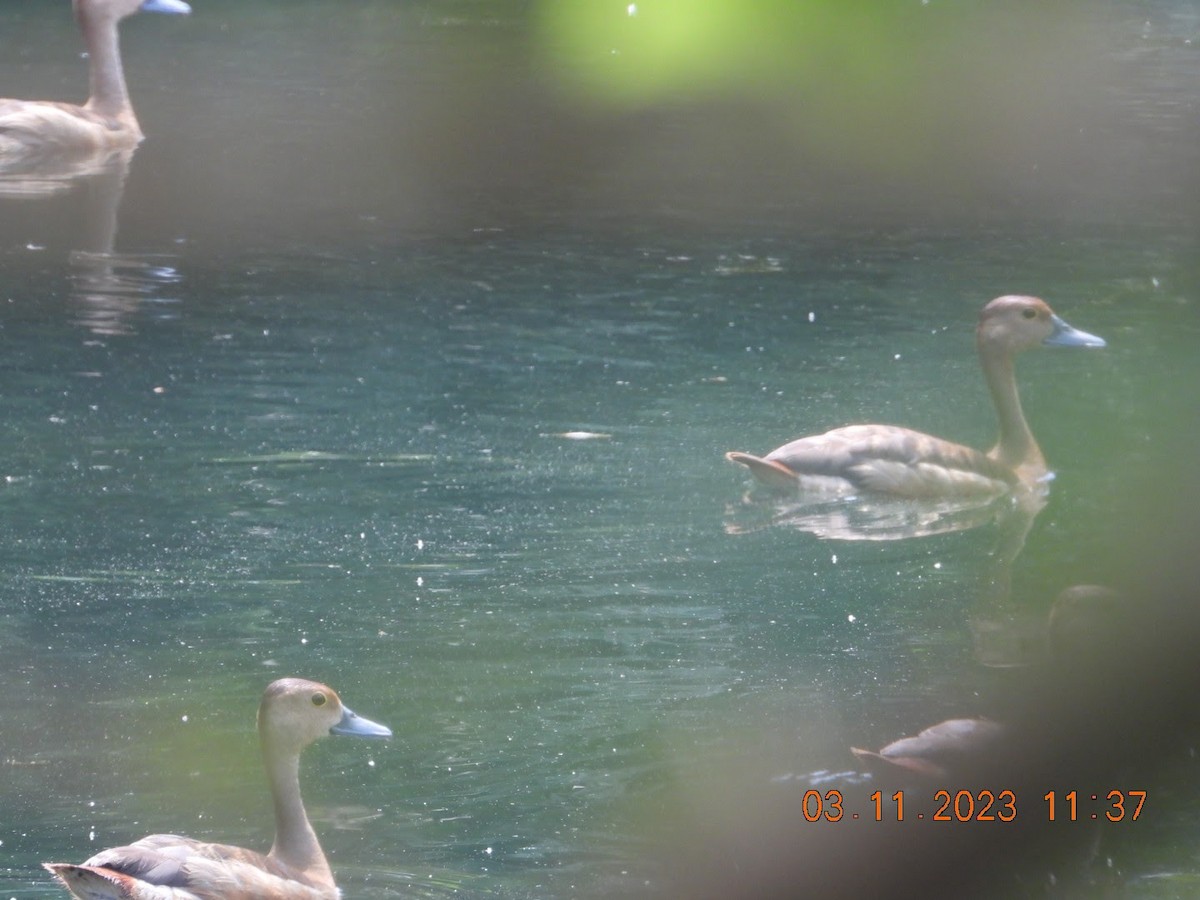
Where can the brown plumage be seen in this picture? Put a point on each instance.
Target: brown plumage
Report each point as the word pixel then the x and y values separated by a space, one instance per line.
pixel 939 750
pixel 107 120
pixel 293 714
pixel 902 462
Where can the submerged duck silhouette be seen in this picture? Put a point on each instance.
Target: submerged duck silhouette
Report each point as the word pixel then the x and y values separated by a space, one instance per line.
pixel 293 714
pixel 902 462
pixel 107 120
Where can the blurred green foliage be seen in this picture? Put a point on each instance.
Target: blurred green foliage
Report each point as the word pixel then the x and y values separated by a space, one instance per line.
pixel 840 75
pixel 623 52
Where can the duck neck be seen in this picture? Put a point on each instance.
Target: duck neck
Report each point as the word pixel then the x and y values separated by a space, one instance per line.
pixel 296 844
pixel 108 95
pixel 1016 449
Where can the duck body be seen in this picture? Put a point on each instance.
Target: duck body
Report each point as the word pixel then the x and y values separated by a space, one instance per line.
pixel 30 126
pixel 294 713
pixel 106 121
pixel 938 750
pixel 171 867
pixel 890 459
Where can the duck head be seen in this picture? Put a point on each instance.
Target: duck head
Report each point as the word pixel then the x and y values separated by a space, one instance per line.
pixel 1014 323
pixel 295 712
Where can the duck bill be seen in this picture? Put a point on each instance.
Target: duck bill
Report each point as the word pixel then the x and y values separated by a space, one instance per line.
pixel 174 7
pixel 1064 335
pixel 355 725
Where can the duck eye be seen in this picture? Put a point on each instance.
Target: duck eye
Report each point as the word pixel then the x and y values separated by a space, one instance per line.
pixel 319 699
pixel 1029 312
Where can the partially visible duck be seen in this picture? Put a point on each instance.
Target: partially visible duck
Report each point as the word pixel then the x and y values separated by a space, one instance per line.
pixel 939 750
pixel 293 714
pixel 907 463
pixel 107 120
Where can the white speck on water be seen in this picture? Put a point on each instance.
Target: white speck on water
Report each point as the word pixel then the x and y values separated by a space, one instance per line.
pixel 851 618
pixel 420 544
pixel 581 435
pixel 183 719
pixel 833 559
pixel 631 10
pixel 812 317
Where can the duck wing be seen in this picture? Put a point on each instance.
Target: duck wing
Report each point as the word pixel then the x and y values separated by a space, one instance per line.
pixel 42 126
pixel 883 458
pixel 171 867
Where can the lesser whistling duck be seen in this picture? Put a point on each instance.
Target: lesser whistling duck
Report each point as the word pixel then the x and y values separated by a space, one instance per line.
pixel 107 120
pixel 939 749
pixel 292 715
pixel 906 463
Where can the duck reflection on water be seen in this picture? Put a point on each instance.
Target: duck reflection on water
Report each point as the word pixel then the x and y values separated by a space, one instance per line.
pixel 49 148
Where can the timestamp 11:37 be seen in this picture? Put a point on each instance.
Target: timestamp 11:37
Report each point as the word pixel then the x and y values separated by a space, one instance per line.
pixel 976 806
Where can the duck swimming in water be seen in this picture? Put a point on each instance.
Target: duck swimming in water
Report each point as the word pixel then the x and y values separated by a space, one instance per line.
pixel 106 121
pixel 893 460
pixel 293 714
pixel 938 750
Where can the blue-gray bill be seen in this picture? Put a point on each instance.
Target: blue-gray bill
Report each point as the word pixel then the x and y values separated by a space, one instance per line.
pixel 1065 335
pixel 355 725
